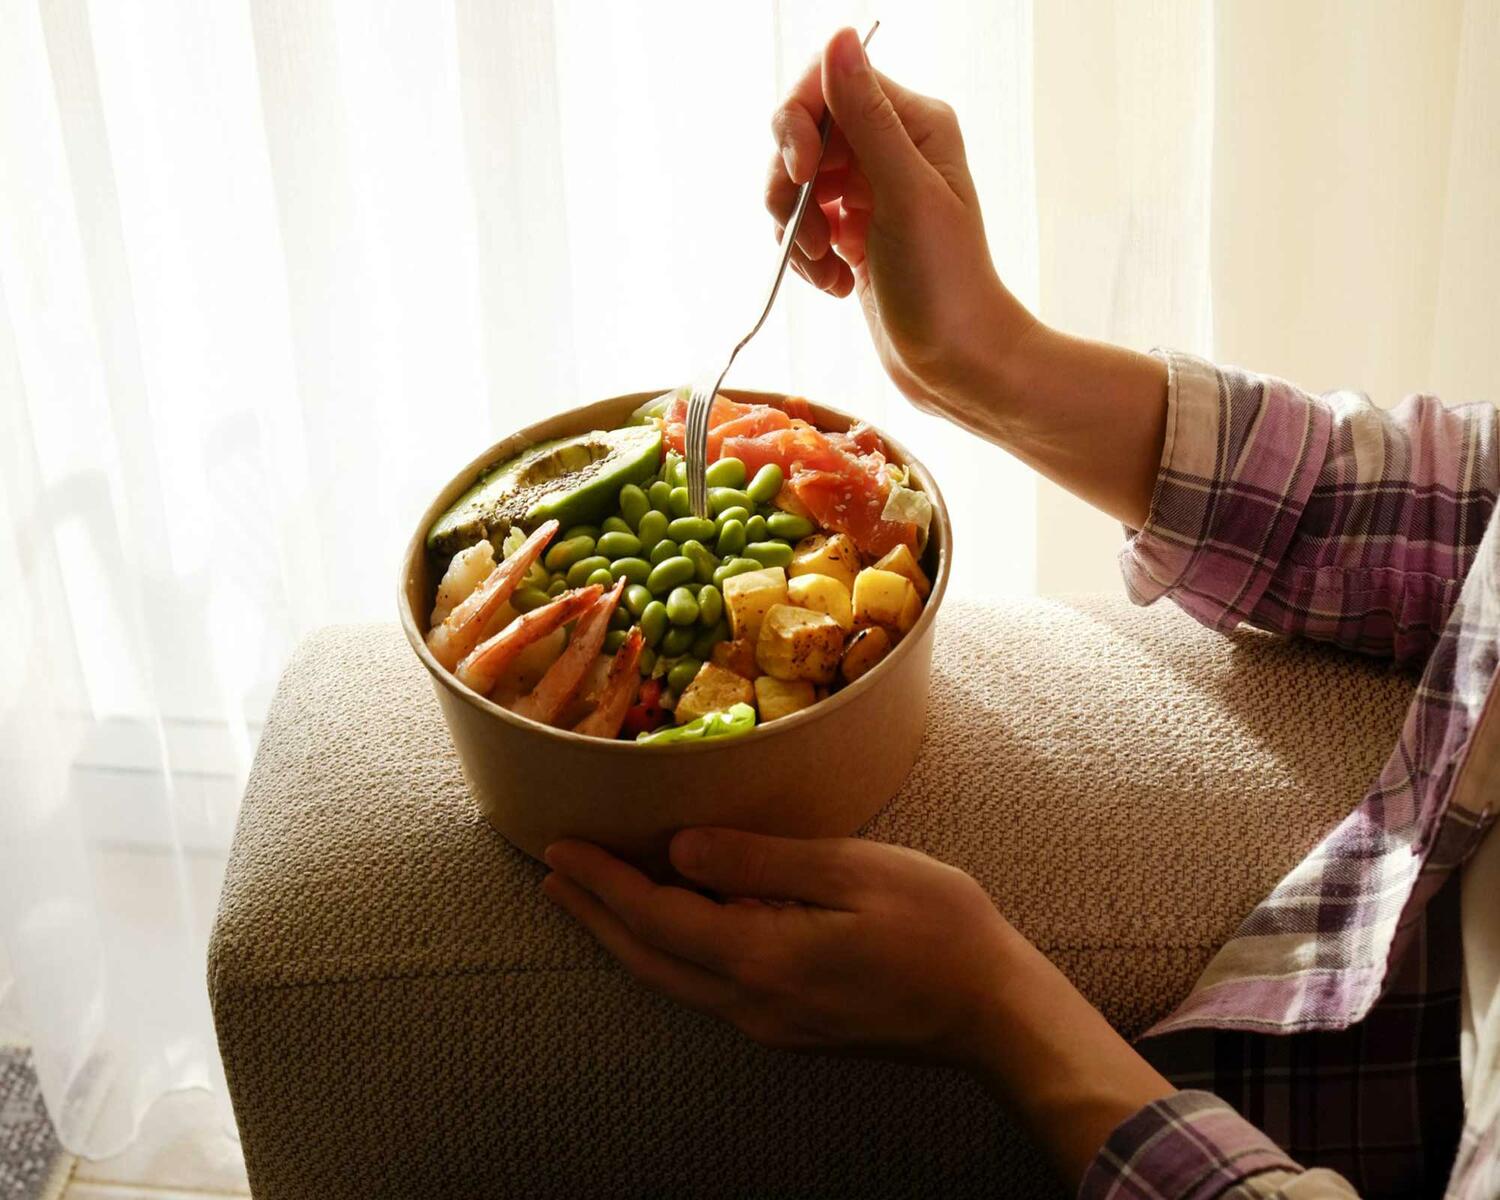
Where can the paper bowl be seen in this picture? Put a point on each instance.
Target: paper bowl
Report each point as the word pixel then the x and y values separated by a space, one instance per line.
pixel 822 772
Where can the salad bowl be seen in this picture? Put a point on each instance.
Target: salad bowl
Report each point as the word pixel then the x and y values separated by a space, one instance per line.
pixel 821 772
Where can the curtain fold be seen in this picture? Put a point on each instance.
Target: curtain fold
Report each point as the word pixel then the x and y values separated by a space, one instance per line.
pixel 269 273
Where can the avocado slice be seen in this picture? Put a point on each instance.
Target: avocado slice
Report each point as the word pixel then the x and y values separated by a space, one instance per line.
pixel 575 480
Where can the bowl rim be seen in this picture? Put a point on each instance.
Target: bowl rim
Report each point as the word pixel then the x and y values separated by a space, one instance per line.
pixel 518 441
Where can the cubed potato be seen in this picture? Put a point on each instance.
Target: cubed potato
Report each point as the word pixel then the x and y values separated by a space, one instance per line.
pixel 824 594
pixel 903 562
pixel 865 649
pixel 749 597
pixel 782 697
pixel 713 690
pixel 833 555
pixel 737 655
pixel 885 598
pixel 797 643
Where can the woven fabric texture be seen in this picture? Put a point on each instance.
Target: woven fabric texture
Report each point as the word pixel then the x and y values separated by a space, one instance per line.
pixel 401 1013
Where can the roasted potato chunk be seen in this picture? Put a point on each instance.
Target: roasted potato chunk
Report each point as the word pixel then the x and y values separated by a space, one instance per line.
pixel 797 643
pixel 782 697
pixel 713 690
pixel 750 596
pixel 737 655
pixel 903 562
pixel 885 598
pixel 824 594
pixel 833 555
pixel 866 648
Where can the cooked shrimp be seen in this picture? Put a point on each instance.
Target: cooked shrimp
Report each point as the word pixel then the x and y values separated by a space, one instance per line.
pixel 482 669
pixel 461 630
pixel 550 698
pixel 618 692
pixel 467 570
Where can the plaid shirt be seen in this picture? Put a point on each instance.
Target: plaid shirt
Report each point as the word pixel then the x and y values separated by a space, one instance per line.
pixel 1328 518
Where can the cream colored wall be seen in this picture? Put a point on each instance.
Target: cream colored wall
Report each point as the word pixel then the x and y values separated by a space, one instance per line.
pixel 1310 190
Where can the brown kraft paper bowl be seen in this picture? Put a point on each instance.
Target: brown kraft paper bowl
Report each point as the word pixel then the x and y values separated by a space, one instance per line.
pixel 822 772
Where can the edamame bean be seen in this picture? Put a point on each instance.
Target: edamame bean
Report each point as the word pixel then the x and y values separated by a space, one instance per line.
pixel 733 567
pixel 615 545
pixel 634 504
pixel 567 552
pixel 620 618
pixel 704 562
pixel 677 640
pixel 678 504
pixel 726 473
pixel 769 554
pixel 682 606
pixel 557 587
pixel 710 605
pixel 721 498
pixel 588 531
pixel 579 572
pixel 616 525
pixel 789 526
pixel 678 476
pixel 700 528
pixel 527 598
pixel 663 550
pixel 658 494
pixel 704 643
pixel 766 484
pixel 683 673
pixel 637 570
pixel 755 529
pixel 668 573
pixel 731 538
pixel 731 514
pixel 601 576
pixel 669 464
pixel 637 596
pixel 613 640
pixel 653 622
pixel 647 662
pixel 652 529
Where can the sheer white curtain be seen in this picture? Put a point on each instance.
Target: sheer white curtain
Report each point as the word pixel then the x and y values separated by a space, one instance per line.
pixel 270 270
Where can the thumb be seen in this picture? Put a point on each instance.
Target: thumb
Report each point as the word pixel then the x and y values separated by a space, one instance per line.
pixel 735 863
pixel 868 119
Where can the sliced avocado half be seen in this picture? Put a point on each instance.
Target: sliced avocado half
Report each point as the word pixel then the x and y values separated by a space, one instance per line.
pixel 575 481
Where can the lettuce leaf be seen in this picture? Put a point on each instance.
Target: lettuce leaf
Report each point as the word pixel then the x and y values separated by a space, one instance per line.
pixel 737 719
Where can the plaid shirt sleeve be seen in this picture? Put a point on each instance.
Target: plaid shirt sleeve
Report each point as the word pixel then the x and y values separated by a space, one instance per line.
pixel 1324 516
pixel 1193 1146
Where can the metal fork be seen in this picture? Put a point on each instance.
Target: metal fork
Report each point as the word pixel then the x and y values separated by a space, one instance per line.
pixel 695 437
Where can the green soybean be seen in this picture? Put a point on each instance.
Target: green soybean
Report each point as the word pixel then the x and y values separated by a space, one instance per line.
pixel 731 514
pixel 669 465
pixel 678 504
pixel 615 545
pixel 668 573
pixel 710 605
pixel 733 567
pixel 731 538
pixel 620 618
pixel 663 550
pixel 789 526
pixel 654 622
pixel 637 596
pixel 769 554
pixel 726 473
pixel 704 643
pixel 704 562
pixel 682 606
pixel 557 587
pixel 755 529
pixel 721 498
pixel 615 525
pixel 613 640
pixel 677 640
pixel 658 493
pixel 647 662
pixel 527 598
pixel 637 570
pixel 652 529
pixel 579 572
pixel 683 528
pixel 765 485
pixel 601 576
pixel 683 673
pixel 634 504
pixel 568 551
pixel 678 475
pixel 576 531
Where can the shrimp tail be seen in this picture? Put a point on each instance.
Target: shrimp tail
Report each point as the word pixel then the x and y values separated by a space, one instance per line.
pixel 482 667
pixel 457 636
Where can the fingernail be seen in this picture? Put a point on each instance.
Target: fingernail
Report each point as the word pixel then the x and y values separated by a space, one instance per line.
pixel 689 849
pixel 547 855
pixel 848 55
pixel 786 157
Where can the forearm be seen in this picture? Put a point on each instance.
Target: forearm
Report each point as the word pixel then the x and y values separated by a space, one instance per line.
pixel 1087 415
pixel 1054 1062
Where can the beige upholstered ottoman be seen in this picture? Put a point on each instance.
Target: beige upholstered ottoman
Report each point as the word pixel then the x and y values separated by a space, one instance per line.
pixel 401 1013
